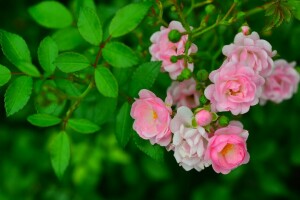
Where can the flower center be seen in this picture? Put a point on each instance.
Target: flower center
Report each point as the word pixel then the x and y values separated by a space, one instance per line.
pixel 227 149
pixel 234 88
pixel 154 115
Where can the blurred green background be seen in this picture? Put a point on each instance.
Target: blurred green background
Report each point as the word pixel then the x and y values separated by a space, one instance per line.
pixel 100 169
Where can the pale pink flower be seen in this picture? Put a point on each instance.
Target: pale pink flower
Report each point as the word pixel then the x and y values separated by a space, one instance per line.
pixel 203 117
pixel 189 143
pixel 184 93
pixel 162 49
pixel 282 83
pixel 235 88
pixel 227 148
pixel 152 118
pixel 252 52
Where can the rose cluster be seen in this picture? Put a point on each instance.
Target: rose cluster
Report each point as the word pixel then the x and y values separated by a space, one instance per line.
pixel 193 130
pixel 249 75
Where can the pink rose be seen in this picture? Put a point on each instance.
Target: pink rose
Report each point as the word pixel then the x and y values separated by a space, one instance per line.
pixel 227 148
pixel 184 93
pixel 282 83
pixel 152 118
pixel 235 88
pixel 189 143
pixel 203 117
pixel 251 51
pixel 162 49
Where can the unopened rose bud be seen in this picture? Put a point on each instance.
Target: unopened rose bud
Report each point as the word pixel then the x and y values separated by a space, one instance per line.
pixel 203 117
pixel 173 59
pixel 174 35
pixel 245 30
pixel 223 121
pixel 209 9
pixel 185 74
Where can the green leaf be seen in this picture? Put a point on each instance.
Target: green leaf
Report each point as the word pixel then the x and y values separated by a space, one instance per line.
pixel 60 153
pixel 67 38
pixel 295 6
pixel 51 14
pixel 119 55
pixel 5 75
pixel 106 82
pixel 71 62
pixel 15 48
pixel 83 126
pixel 47 53
pixel 144 77
pixel 43 120
pixel 18 94
pixel 123 125
pixel 78 4
pixel 28 68
pixel 89 26
pixel 154 151
pixel 128 18
pixel 94 102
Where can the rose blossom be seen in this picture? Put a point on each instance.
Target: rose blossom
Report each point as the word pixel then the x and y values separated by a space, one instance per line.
pixel 152 118
pixel 282 83
pixel 184 93
pixel 251 51
pixel 203 117
pixel 162 49
pixel 235 88
pixel 227 148
pixel 189 143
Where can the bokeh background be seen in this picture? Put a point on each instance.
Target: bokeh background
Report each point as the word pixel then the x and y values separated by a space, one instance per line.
pixel 101 169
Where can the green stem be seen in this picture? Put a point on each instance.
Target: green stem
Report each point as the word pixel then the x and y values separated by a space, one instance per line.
pixel 76 103
pixel 229 11
pixel 101 46
pixel 182 18
pixel 206 29
pixel 197 5
pixel 199 31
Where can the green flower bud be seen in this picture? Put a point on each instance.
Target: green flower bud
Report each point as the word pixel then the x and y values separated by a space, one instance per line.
pixel 223 121
pixel 209 9
pixel 174 35
pixel 186 73
pixel 202 75
pixel 174 59
pixel 203 100
pixel 180 78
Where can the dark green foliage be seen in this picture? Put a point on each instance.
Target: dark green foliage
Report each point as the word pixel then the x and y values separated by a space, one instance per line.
pixel 81 70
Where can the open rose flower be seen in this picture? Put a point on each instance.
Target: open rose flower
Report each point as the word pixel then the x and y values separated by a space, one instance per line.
pixel 152 118
pixel 227 148
pixel 162 49
pixel 184 93
pixel 235 88
pixel 282 83
pixel 189 143
pixel 251 51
